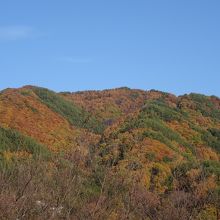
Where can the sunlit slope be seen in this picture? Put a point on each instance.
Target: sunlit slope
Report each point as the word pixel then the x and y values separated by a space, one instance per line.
pixel 164 133
pixel 15 145
pixel 109 105
pixel 124 148
pixel 76 115
pixel 23 110
pixel 187 125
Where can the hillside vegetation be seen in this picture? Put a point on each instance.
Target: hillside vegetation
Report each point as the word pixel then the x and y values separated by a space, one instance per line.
pixel 74 114
pixel 111 154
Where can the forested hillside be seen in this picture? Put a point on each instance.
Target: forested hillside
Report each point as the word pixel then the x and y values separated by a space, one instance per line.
pixel 111 154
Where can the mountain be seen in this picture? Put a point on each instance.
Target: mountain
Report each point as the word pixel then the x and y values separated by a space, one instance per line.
pixel 112 154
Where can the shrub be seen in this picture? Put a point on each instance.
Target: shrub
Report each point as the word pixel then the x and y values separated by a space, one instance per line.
pixel 167 159
pixel 212 141
pixel 134 165
pixel 150 156
pixel 181 169
pixel 211 167
pixel 215 132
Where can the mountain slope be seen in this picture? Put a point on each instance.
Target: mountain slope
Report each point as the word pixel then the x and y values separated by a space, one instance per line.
pixel 156 145
pixel 21 109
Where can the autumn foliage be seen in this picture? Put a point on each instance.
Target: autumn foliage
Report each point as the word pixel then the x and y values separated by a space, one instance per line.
pixel 112 154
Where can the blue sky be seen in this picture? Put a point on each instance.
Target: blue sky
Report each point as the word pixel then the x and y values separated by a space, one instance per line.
pixel 169 45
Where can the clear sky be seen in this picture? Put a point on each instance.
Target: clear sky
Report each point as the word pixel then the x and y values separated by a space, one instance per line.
pixel 169 45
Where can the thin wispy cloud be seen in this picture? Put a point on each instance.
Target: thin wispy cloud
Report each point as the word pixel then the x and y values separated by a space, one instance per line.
pixel 17 32
pixel 70 59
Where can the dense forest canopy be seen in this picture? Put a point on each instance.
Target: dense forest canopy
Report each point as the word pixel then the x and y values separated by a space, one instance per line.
pixel 112 154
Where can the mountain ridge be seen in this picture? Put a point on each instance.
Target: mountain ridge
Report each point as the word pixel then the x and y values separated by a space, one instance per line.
pixel 108 89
